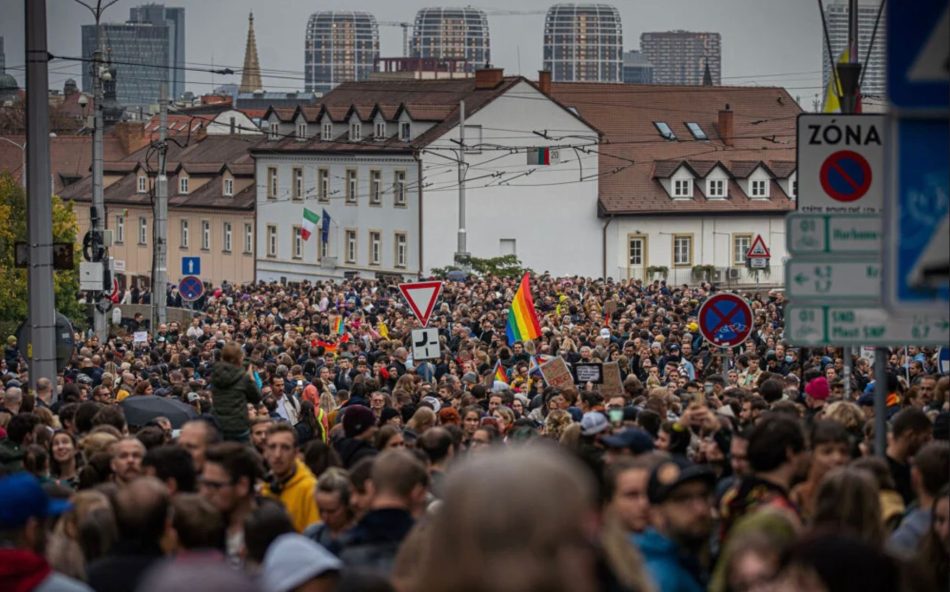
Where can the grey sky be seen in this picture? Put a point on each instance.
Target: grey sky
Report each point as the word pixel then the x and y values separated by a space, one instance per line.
pixel 765 42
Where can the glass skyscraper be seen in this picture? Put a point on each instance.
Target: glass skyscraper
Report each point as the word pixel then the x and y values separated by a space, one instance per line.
pixel 174 19
pixel 583 43
pixel 681 57
pixel 445 33
pixel 340 46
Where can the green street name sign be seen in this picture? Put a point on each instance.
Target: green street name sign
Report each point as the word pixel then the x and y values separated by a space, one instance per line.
pixel 847 325
pixel 833 234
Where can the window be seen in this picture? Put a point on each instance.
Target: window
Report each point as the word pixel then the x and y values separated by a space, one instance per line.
pixel 356 130
pixel 301 131
pixel 507 246
pixel 140 187
pixel 697 131
pixel 298 184
pixel 271 182
pixel 297 246
pixel 205 235
pixel 248 238
pixel 143 230
pixel 400 249
pixel 327 131
pixel 399 188
pixel 666 132
pixel 716 188
pixel 405 131
pixel 351 246
pixel 184 240
pixel 759 188
pixel 682 250
pixel 375 188
pixel 682 188
pixel 227 237
pixel 271 240
pixel 183 185
pixel 741 243
pixel 120 229
pixel 228 187
pixel 473 139
pixel 375 247
pixel 274 131
pixel 636 251
pixel 351 186
pixel 380 130
pixel 323 176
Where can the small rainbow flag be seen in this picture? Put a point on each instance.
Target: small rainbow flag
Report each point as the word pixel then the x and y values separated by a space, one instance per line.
pixel 337 325
pixel 534 367
pixel 500 374
pixel 522 319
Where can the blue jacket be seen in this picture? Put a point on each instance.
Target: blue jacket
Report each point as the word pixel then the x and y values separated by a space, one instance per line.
pixel 671 570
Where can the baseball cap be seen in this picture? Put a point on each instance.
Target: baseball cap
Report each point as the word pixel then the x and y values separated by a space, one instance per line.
pixel 593 423
pixel 633 439
pixel 293 560
pixel 670 474
pixel 22 498
pixel 436 404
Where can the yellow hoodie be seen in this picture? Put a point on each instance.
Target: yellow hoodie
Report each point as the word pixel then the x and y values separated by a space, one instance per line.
pixel 297 497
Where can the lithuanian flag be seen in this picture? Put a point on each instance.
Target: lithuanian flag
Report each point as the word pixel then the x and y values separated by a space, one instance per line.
pixel 522 320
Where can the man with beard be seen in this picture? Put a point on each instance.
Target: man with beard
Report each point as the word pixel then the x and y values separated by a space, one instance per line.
pixel 126 463
pixel 228 478
pixel 681 518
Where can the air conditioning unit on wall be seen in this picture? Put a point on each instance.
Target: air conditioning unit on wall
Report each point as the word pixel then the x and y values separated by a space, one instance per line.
pixel 734 273
pixel 718 274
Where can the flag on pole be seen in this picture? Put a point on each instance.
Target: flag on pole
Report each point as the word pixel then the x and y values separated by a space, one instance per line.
pixel 534 368
pixel 500 374
pixel 834 92
pixel 522 319
pixel 309 224
pixel 383 330
pixel 325 230
pixel 337 325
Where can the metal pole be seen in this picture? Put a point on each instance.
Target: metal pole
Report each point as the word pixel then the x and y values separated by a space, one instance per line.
pixel 100 325
pixel 880 400
pixel 39 204
pixel 160 229
pixel 461 251
pixel 848 371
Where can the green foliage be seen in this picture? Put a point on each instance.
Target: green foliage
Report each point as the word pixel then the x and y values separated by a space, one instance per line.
pixel 506 266
pixel 13 282
pixel 658 270
pixel 703 273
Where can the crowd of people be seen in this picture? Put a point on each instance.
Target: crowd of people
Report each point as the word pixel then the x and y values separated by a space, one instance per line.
pixel 296 445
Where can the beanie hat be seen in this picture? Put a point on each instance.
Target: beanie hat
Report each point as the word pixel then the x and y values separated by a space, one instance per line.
pixel 817 388
pixel 386 414
pixel 357 419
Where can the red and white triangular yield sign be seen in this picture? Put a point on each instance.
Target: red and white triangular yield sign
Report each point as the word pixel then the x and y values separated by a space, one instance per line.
pixel 421 297
pixel 758 250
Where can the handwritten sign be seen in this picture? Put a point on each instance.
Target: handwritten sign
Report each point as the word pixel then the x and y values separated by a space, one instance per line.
pixel 557 374
pixel 613 384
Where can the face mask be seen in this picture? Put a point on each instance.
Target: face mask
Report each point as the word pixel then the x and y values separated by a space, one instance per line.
pixel 708 388
pixel 789 359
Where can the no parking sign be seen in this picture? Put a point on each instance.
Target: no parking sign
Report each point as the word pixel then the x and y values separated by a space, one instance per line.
pixel 725 320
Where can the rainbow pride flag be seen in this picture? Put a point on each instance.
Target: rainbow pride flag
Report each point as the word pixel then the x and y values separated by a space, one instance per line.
pixel 522 320
pixel 500 374
pixel 337 325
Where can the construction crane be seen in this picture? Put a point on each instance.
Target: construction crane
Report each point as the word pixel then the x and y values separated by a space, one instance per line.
pixel 405 33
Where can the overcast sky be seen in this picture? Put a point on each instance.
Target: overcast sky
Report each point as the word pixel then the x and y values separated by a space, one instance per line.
pixel 764 42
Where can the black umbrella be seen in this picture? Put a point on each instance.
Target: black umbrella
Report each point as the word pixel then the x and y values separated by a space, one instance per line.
pixel 141 409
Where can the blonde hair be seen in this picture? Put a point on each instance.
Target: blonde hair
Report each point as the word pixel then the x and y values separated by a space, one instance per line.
pixel 556 422
pixel 421 420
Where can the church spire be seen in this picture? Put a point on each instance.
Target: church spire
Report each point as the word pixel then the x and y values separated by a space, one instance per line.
pixel 707 76
pixel 251 74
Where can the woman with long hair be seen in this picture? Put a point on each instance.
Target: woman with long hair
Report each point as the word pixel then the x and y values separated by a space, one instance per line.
pixel 934 553
pixel 848 500
pixel 65 458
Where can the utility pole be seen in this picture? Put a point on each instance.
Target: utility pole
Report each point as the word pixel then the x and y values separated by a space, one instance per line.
pixel 160 229
pixel 39 205
pixel 98 212
pixel 462 249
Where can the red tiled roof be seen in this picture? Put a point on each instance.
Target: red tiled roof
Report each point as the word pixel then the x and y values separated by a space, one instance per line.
pixel 764 120
pixel 70 157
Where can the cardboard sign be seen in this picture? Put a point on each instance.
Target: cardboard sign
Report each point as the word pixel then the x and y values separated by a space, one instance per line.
pixel 612 385
pixel 592 373
pixel 557 374
pixel 140 337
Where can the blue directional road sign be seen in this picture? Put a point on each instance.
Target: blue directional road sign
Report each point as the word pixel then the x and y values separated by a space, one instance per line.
pixel 725 320
pixel 917 217
pixel 944 360
pixel 191 266
pixel 191 288
pixel 917 35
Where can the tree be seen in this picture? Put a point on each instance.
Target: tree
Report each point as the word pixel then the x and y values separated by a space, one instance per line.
pixel 505 266
pixel 13 281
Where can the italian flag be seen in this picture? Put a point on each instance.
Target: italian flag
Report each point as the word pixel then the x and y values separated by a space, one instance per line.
pixel 310 220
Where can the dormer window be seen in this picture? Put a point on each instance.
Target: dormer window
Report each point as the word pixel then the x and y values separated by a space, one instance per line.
pixel 183 185
pixel 228 189
pixel 405 129
pixel 140 186
pixel 274 131
pixel 716 188
pixel 301 131
pixel 758 188
pixel 326 133
pixel 356 131
pixel 380 130
pixel 682 188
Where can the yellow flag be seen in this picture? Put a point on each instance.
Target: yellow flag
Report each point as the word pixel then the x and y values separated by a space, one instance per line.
pixel 383 330
pixel 833 91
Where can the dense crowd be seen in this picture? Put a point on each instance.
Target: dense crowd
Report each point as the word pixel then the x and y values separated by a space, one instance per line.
pixel 286 440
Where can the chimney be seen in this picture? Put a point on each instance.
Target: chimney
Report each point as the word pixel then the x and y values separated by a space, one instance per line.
pixel 131 135
pixel 725 125
pixel 544 81
pixel 488 77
